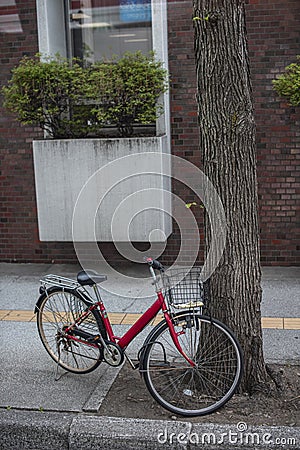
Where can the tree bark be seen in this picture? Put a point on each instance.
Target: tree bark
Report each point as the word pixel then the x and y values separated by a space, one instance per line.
pixel 227 141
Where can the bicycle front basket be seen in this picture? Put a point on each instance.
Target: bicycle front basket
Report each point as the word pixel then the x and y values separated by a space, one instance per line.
pixel 183 289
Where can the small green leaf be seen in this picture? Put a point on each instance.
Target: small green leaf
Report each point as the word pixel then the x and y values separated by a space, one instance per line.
pixel 189 205
pixel 201 18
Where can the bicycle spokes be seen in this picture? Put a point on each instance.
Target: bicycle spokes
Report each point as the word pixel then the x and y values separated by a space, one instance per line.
pixel 58 311
pixel 194 390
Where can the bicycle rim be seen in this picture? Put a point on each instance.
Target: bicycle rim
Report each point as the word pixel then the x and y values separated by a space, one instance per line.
pixel 199 390
pixel 57 311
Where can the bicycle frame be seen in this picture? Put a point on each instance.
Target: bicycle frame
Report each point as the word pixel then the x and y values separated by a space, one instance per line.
pixel 137 327
pixel 190 362
pixel 73 333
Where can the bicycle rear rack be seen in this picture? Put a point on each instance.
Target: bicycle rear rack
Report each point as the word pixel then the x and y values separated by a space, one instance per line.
pixel 56 280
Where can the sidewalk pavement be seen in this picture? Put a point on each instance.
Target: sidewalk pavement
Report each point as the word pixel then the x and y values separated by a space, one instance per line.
pixel 37 412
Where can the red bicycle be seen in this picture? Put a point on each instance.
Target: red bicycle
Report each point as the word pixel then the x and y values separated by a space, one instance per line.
pixel 191 363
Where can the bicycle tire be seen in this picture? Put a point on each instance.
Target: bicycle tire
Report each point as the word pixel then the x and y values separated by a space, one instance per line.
pixel 180 388
pixel 56 309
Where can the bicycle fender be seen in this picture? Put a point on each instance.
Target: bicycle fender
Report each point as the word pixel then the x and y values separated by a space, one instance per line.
pixel 146 343
pixel 44 292
pixel 152 333
pixel 163 321
pixel 42 296
pixel 149 339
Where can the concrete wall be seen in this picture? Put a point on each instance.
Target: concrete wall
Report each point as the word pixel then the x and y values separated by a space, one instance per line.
pixel 116 185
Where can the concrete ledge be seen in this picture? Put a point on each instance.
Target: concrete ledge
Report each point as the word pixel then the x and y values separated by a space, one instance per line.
pixel 32 430
pixel 114 433
pixel 94 402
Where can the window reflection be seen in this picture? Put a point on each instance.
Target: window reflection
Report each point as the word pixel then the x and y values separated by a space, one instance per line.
pixel 9 17
pixel 106 28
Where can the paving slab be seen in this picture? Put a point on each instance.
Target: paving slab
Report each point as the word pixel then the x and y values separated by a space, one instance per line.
pixel 27 376
pixel 282 346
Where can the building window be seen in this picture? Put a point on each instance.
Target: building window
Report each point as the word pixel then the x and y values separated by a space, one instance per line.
pixel 99 29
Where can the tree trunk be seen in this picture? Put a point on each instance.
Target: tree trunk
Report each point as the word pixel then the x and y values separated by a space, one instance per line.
pixel 227 141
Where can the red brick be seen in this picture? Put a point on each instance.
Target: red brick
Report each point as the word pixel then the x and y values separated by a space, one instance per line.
pixel 273 33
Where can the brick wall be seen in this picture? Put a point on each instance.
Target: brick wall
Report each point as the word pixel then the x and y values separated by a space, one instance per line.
pixel 17 196
pixel 18 216
pixel 184 121
pixel 274 41
pixel 273 29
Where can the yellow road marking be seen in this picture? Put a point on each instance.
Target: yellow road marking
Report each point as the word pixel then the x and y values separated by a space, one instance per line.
pixel 116 318
pixel 4 313
pixel 130 318
pixel 279 323
pixel 157 319
pixel 291 323
pixel 272 322
pixel 19 316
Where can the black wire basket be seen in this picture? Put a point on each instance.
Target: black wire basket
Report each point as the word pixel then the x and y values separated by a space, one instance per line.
pixel 184 289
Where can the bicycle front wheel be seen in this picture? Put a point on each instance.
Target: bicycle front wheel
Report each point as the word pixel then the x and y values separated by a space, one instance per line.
pixel 181 388
pixel 57 310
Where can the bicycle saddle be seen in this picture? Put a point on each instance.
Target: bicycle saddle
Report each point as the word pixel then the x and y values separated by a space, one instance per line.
pixel 90 277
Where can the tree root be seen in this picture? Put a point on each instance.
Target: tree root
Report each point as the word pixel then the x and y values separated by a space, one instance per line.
pixel 276 376
pixel 270 388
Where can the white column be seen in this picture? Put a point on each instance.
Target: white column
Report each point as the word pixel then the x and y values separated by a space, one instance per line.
pixel 51 27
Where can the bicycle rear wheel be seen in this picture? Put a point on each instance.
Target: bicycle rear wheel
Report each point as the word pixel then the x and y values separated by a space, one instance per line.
pixel 187 390
pixel 57 310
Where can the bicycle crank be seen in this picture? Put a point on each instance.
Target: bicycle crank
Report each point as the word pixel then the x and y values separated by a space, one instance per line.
pixel 112 354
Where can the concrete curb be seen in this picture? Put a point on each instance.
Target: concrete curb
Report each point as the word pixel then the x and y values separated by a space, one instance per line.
pixel 33 430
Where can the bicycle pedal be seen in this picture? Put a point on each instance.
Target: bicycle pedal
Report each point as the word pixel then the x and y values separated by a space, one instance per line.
pixel 94 339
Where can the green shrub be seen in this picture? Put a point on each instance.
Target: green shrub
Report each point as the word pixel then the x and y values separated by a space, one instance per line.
pixel 71 101
pixel 127 91
pixel 288 84
pixel 43 92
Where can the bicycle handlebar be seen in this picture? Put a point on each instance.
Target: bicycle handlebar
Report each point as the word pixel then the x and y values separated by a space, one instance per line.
pixel 155 264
